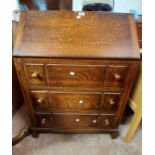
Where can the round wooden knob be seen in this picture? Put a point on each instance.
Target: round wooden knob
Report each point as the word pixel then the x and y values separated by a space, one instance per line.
pixel 107 122
pixel 111 101
pixel 94 121
pixel 71 73
pixel 77 120
pixel 81 101
pixel 34 75
pixel 78 17
pixel 40 100
pixel 43 121
pixel 117 76
pixel 81 13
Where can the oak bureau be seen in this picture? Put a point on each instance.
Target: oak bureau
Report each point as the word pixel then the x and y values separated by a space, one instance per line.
pixel 76 69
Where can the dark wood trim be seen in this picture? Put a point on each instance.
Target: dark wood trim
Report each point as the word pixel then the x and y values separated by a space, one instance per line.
pixel 74 130
pixel 24 87
pixel 17 97
pixel 114 134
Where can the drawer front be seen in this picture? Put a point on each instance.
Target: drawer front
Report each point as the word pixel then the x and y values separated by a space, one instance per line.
pixel 35 74
pixel 67 121
pixel 40 100
pixel 75 76
pixel 75 101
pixel 108 121
pixel 91 76
pixel 111 102
pixel 115 76
pixel 45 121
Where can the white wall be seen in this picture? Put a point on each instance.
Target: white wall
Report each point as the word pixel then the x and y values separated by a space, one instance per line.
pixel 15 4
pixel 128 5
pixel 124 6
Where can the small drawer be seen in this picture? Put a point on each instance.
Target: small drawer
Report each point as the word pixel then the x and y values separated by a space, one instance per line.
pixel 40 100
pixel 67 121
pixel 108 121
pixel 75 101
pixel 115 76
pixel 35 74
pixel 111 102
pixel 45 121
pixel 75 75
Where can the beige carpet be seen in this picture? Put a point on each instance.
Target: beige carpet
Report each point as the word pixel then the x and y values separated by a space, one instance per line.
pixel 75 144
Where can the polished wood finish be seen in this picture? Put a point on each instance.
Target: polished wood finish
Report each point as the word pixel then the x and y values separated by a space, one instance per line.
pixel 111 102
pixel 57 34
pixel 108 121
pixel 75 101
pixel 35 73
pixel 67 121
pixel 68 85
pixel 17 98
pixel 115 76
pixel 79 75
pixel 40 100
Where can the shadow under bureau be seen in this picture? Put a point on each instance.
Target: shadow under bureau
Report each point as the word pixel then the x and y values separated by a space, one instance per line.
pixel 75 69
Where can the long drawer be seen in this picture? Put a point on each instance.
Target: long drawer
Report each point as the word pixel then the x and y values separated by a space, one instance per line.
pixel 69 121
pixel 106 102
pixel 79 75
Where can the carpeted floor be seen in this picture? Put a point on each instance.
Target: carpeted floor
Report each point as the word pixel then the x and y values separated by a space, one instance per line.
pixel 75 144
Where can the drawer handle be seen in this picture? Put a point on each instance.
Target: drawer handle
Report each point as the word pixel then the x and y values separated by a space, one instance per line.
pixel 78 17
pixel 81 101
pixel 107 122
pixel 71 73
pixel 34 75
pixel 111 101
pixel 81 13
pixel 77 120
pixel 117 76
pixel 94 121
pixel 40 100
pixel 43 121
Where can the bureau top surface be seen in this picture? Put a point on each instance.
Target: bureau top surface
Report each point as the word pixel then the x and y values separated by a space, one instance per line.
pixel 65 34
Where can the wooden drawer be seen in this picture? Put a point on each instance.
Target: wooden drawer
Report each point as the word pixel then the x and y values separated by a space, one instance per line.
pixel 75 75
pixel 67 121
pixel 88 76
pixel 45 121
pixel 75 101
pixel 40 100
pixel 115 76
pixel 35 74
pixel 111 102
pixel 108 121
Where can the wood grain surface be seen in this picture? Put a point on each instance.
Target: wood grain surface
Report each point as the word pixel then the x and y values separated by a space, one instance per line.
pixel 76 73
pixel 61 34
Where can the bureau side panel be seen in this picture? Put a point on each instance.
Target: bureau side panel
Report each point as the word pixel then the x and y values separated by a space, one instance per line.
pixel 128 85
pixel 25 90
